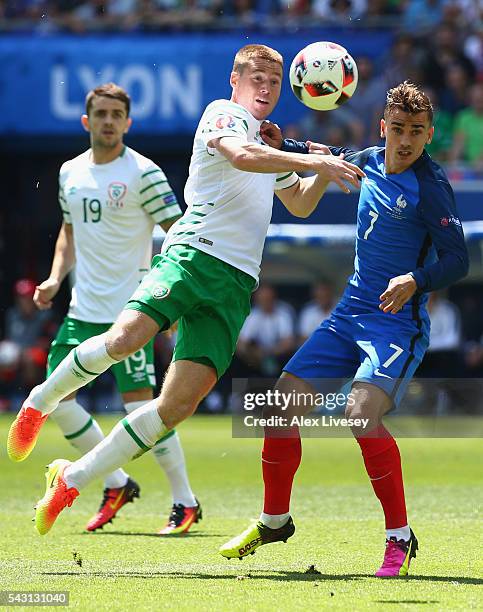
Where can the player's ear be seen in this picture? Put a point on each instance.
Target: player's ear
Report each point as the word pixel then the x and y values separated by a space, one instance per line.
pixel 85 123
pixel 383 128
pixel 234 76
pixel 128 125
pixel 430 135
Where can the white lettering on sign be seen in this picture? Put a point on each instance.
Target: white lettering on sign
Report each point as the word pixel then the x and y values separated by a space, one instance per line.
pixel 180 92
pixel 60 106
pixel 89 78
pixel 164 93
pixel 139 78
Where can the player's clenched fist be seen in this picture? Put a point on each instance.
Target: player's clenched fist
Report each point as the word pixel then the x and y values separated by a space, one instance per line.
pixel 271 134
pixel 45 292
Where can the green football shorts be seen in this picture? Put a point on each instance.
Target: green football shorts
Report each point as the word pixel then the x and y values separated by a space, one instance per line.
pixel 135 372
pixel 209 298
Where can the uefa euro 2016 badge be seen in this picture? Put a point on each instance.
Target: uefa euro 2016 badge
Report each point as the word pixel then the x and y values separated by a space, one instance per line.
pixel 159 292
pixel 225 121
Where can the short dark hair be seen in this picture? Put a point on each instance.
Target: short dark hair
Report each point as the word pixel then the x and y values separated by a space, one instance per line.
pixel 109 90
pixel 410 99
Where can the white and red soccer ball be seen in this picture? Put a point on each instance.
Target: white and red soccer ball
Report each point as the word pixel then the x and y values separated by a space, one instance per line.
pixel 323 76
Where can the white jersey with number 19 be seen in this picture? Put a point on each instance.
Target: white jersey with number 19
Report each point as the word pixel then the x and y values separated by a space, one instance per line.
pixel 113 208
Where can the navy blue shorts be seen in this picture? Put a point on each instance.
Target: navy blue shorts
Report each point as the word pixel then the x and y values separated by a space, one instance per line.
pixel 382 349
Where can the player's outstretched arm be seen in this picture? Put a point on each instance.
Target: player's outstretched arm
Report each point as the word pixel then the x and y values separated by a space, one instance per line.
pixel 63 262
pixel 302 198
pixel 272 136
pixel 250 157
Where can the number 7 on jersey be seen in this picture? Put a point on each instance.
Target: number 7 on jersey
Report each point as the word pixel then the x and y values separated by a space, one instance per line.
pixel 374 216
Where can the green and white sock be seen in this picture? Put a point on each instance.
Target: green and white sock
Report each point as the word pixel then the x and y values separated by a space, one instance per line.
pixel 81 366
pixel 168 453
pixel 83 432
pixel 130 438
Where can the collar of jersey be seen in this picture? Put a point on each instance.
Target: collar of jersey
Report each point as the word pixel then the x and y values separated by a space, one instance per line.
pixel 93 163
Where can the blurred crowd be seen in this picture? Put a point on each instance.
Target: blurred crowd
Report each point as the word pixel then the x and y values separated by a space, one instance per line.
pixel 449 68
pixel 25 343
pixel 418 16
pixel 437 44
pixel 272 333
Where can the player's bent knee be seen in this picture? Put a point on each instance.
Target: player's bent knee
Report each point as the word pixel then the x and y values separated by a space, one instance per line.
pixel 366 418
pixel 121 344
pixel 172 415
pixel 129 334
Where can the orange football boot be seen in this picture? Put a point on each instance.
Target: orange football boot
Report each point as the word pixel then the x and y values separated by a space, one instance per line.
pixel 57 497
pixel 181 519
pixel 112 502
pixel 24 432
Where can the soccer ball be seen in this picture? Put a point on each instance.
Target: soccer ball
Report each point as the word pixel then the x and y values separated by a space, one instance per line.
pixel 323 76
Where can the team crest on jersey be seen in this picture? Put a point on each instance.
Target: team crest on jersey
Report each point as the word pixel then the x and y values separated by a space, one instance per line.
pixel 115 192
pixel 225 121
pixel 397 211
pixel 159 292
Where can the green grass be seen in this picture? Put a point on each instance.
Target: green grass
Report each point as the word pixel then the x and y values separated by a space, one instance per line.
pixel 339 530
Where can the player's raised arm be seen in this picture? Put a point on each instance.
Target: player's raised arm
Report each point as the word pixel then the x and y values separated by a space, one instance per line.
pixel 252 157
pixel 273 137
pixel 302 198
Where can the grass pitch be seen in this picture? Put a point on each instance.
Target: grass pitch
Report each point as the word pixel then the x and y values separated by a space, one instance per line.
pixel 338 519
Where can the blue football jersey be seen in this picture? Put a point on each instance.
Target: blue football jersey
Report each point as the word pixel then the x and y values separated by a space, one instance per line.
pixel 406 222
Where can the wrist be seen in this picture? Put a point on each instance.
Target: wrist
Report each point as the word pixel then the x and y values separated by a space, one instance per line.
pixel 413 276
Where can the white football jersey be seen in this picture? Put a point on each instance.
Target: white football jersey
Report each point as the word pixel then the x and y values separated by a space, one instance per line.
pixel 113 209
pixel 229 210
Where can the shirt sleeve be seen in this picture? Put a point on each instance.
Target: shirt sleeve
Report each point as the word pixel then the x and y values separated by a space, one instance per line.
pixel 289 145
pixel 219 122
pixel 157 198
pixel 285 180
pixel 359 158
pixel 64 206
pixel 437 209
